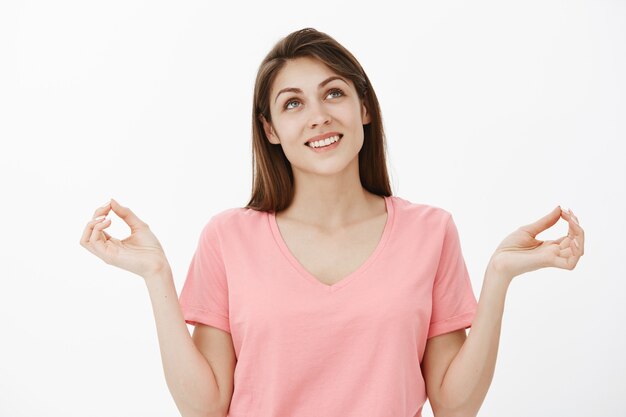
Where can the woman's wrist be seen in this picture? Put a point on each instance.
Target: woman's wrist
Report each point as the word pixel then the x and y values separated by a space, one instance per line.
pixel 162 273
pixel 492 272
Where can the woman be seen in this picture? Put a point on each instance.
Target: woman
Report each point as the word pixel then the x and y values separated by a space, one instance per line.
pixel 326 295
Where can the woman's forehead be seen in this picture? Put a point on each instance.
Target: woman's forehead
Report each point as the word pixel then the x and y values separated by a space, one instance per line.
pixel 303 72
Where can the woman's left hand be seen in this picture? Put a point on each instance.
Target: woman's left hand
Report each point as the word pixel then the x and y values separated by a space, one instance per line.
pixel 520 252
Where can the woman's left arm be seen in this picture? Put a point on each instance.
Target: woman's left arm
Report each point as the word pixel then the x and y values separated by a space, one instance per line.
pixel 467 380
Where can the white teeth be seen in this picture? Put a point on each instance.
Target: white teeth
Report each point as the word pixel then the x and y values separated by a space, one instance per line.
pixel 323 142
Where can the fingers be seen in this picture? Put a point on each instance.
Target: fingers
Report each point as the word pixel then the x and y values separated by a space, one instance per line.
pixel 97 236
pixel 571 220
pixel 93 239
pixel 93 236
pixel 565 253
pixel 88 229
pixel 127 215
pixel 104 210
pixel 567 256
pixel 565 242
pixel 567 261
pixel 575 231
pixel 568 246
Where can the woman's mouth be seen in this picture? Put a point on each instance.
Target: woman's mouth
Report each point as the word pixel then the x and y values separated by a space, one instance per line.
pixel 326 144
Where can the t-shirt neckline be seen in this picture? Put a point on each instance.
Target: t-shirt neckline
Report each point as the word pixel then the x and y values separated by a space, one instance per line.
pixel 354 274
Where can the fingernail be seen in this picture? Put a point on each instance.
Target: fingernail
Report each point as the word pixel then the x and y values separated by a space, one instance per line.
pixel 99 217
pixel 107 203
pixel 576 243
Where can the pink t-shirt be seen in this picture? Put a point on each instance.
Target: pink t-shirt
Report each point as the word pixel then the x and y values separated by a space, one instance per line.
pixel 307 349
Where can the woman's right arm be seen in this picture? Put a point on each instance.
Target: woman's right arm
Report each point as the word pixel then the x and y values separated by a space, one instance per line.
pixel 188 374
pixel 196 373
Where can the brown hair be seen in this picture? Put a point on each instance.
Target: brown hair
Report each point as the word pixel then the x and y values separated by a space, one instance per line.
pixel 272 181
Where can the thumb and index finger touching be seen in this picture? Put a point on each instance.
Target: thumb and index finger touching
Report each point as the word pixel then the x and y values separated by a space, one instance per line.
pixel 122 212
pixel 94 236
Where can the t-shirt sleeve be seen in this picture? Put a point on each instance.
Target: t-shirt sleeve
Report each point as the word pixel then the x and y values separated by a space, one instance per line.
pixel 204 296
pixel 454 303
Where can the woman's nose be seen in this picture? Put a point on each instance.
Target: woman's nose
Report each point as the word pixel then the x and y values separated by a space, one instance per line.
pixel 319 115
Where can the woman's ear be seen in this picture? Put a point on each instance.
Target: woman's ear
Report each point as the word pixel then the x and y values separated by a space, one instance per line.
pixel 269 131
pixel 365 115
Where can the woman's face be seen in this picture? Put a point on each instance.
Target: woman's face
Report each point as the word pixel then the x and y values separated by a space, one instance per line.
pixel 320 107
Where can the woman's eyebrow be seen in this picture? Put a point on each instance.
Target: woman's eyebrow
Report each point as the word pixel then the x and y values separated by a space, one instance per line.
pixel 322 84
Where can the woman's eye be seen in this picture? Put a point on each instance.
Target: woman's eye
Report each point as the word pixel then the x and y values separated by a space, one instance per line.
pixel 287 104
pixel 334 90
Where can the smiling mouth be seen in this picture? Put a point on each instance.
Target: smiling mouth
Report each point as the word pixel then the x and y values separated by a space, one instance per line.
pixel 338 138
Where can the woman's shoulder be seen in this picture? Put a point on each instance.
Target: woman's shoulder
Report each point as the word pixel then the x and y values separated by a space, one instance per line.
pixel 236 217
pixel 420 209
pixel 422 217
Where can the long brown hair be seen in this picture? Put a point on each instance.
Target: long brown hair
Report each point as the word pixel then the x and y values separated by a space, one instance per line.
pixel 272 181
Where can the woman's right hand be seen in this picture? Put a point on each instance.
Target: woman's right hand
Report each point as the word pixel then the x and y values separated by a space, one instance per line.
pixel 140 253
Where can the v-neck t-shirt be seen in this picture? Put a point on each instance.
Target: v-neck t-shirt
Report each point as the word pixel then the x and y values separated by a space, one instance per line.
pixel 308 349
